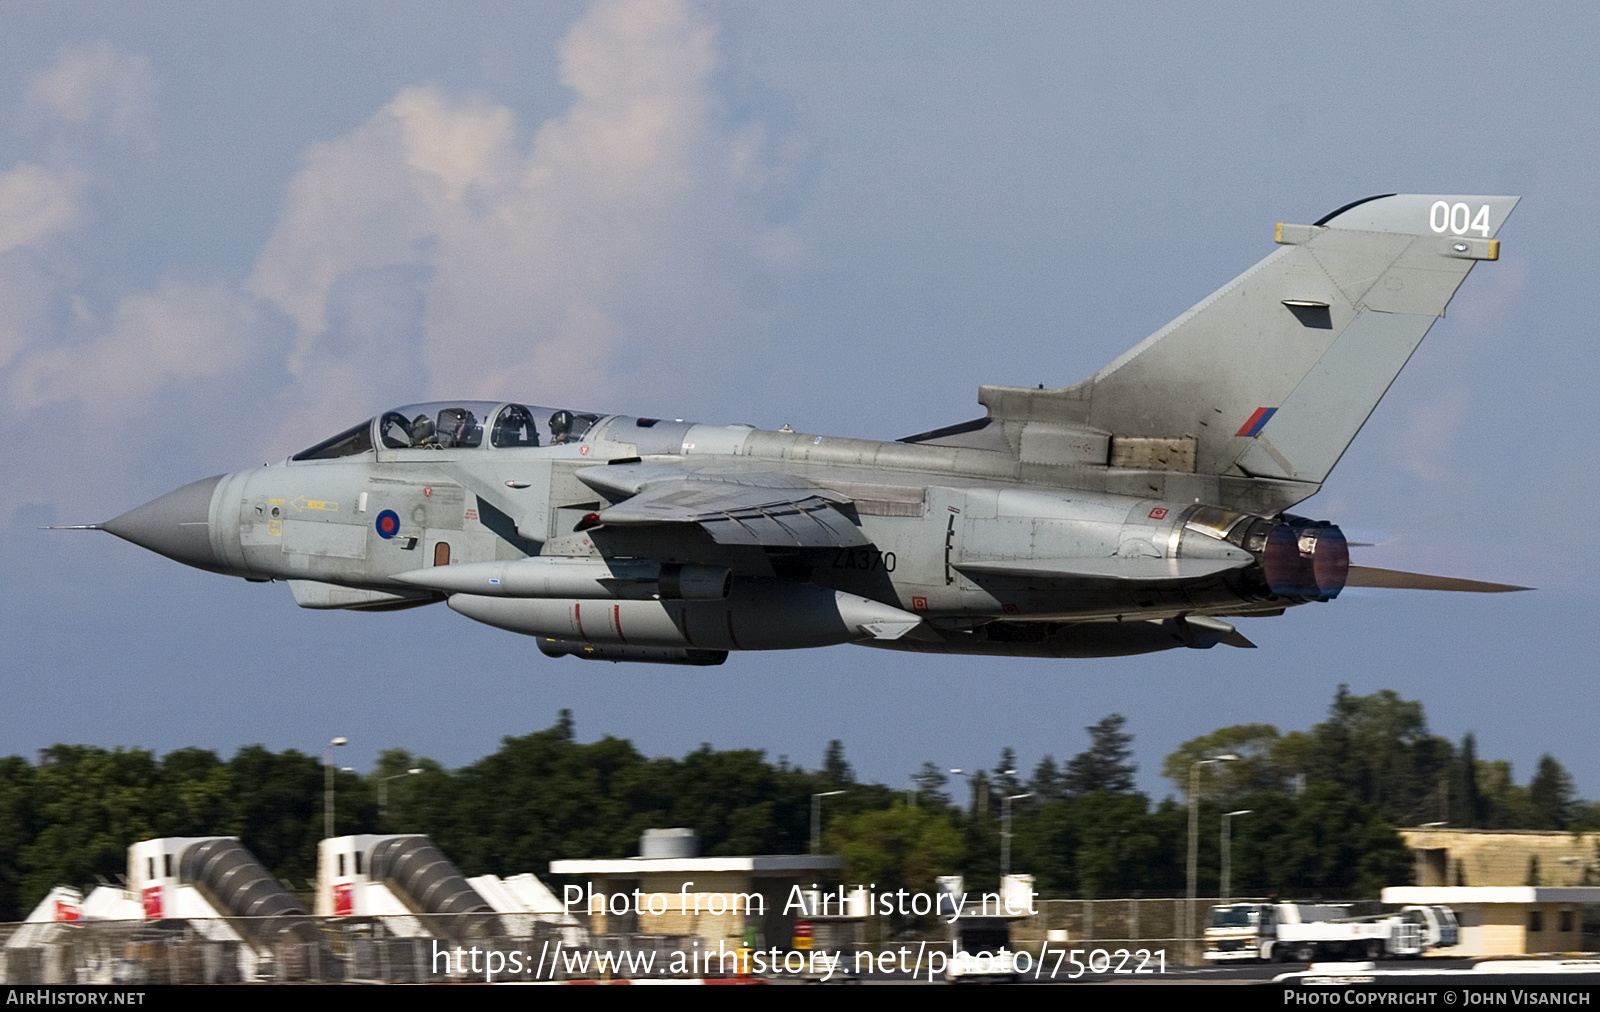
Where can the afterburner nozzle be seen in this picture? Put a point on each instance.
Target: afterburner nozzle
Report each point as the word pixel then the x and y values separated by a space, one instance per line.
pixel 1306 559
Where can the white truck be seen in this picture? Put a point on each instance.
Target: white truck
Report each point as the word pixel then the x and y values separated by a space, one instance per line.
pixel 1303 932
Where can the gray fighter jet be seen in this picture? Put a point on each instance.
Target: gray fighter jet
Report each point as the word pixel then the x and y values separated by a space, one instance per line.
pixel 1131 512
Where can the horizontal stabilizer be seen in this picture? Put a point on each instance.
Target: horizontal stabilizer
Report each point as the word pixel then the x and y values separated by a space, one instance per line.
pixel 1393 579
pixel 1106 570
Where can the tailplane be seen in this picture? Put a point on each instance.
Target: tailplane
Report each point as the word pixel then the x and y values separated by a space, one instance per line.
pixel 1274 374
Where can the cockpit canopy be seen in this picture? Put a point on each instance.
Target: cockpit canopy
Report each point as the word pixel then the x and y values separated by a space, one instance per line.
pixel 441 425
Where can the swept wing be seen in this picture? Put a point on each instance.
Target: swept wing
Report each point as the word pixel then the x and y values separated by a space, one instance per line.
pixel 764 509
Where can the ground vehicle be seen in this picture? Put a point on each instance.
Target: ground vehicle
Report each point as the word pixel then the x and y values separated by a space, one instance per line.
pixel 1305 931
pixel 981 949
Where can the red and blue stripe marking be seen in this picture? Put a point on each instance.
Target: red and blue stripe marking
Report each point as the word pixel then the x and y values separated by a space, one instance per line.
pixel 1257 422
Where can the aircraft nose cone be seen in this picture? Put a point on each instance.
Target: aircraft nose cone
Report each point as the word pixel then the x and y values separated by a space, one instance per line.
pixel 176 525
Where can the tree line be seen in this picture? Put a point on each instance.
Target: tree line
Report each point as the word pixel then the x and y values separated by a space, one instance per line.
pixel 1322 808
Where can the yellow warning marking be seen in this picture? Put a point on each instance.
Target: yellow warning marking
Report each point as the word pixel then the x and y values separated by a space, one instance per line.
pixel 275 528
pixel 302 503
pixel 275 502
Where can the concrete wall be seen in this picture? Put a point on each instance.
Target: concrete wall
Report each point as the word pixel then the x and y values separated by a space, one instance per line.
pixel 1485 857
pixel 711 905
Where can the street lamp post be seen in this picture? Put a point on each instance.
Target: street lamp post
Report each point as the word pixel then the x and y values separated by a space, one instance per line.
pixel 383 794
pixel 1005 833
pixel 816 819
pixel 1194 838
pixel 327 791
pixel 1227 853
pixel 972 784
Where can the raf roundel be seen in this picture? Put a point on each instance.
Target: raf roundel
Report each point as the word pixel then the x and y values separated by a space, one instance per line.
pixel 388 524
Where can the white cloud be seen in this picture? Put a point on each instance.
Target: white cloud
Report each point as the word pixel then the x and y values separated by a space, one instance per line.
pixel 92 82
pixel 36 203
pixel 598 259
pixel 166 342
pixel 439 249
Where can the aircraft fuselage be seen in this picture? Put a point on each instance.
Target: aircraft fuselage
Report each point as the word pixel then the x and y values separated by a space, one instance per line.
pixel 1123 514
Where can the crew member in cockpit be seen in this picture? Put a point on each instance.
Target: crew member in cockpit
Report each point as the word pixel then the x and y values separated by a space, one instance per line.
pixel 458 427
pixel 422 432
pixel 515 427
pixel 560 427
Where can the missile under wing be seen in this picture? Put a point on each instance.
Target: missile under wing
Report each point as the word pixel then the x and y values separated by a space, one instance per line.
pixel 1134 511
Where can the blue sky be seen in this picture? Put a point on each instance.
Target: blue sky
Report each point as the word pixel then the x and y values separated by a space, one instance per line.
pixel 227 231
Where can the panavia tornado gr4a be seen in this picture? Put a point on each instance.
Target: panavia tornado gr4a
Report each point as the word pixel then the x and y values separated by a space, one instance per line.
pixel 1132 512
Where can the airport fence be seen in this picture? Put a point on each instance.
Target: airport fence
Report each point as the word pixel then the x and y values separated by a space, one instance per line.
pixel 320 949
pixel 437 948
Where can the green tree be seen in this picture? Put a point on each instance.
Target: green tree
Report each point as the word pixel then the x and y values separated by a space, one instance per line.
pixel 1103 844
pixel 1506 804
pixel 194 793
pixel 930 781
pixel 277 809
pixel 91 804
pixel 542 796
pixel 1378 748
pixel 1325 843
pixel 898 847
pixel 1046 845
pixel 1254 770
pixel 835 769
pixel 1466 804
pixel 1105 765
pixel 18 827
pixel 1551 795
pixel 733 801
pixel 1585 817
pixel 1118 845
pixel 411 802
pixel 1005 781
pixel 1046 781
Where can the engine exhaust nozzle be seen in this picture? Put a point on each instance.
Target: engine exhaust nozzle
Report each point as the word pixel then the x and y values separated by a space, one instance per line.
pixel 1308 560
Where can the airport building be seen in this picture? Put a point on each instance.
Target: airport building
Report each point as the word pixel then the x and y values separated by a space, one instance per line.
pixel 1503 857
pixel 669 889
pixel 1513 891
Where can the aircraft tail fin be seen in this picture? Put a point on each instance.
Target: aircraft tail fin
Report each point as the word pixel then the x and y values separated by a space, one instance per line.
pixel 1274 374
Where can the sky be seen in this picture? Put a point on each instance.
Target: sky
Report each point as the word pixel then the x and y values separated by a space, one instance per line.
pixel 228 231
